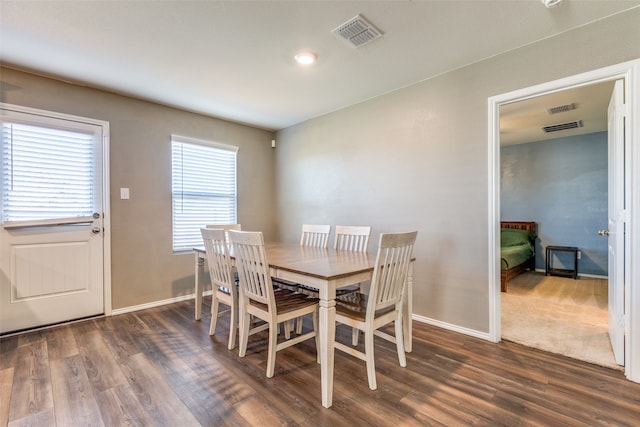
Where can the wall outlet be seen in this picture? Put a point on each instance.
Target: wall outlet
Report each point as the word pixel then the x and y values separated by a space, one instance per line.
pixel 124 193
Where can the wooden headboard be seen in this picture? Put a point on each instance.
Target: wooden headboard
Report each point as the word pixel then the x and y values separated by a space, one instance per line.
pixel 519 225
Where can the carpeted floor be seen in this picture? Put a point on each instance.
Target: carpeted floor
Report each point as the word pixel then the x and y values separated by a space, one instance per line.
pixel 559 315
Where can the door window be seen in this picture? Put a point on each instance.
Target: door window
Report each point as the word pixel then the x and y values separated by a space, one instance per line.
pixel 47 172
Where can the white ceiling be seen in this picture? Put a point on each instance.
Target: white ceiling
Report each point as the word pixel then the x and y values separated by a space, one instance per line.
pixel 522 121
pixel 234 59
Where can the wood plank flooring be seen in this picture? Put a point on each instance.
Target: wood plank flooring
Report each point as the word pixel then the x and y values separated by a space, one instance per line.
pixel 159 367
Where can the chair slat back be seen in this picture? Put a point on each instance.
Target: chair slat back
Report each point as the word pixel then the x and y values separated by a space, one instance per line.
pixel 226 228
pixel 252 266
pixel 218 259
pixel 352 238
pixel 316 236
pixel 390 271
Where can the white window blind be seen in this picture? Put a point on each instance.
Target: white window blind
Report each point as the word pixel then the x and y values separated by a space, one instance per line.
pixel 203 188
pixel 47 173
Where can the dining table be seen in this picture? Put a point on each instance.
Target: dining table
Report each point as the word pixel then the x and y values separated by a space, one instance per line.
pixel 325 270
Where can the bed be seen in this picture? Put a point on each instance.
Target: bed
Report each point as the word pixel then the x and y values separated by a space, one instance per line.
pixel 517 250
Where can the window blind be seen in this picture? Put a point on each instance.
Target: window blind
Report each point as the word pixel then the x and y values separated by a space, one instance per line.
pixel 47 173
pixel 203 188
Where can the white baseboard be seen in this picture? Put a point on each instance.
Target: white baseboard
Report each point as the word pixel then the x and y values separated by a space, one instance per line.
pixel 155 304
pixel 422 319
pixel 451 327
pixel 473 332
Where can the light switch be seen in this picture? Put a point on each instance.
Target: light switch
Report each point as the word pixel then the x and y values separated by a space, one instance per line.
pixel 124 193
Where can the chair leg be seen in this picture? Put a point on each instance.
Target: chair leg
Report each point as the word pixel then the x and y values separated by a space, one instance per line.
pixel 355 332
pixel 244 333
pixel 287 326
pixel 368 351
pixel 299 325
pixel 214 314
pixel 233 319
pixel 273 341
pixel 400 340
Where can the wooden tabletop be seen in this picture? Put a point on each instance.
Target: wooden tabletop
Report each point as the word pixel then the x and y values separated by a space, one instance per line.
pixel 326 264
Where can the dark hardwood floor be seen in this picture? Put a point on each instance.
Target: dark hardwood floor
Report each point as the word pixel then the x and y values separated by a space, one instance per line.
pixel 159 367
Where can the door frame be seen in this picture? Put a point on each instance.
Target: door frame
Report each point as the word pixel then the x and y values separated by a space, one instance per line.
pixel 630 73
pixel 106 206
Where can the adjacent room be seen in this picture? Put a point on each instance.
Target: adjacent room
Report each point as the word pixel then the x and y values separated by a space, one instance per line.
pixel 554 170
pixel 163 161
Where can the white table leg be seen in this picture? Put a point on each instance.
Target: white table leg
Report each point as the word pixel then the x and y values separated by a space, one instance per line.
pixel 199 279
pixel 327 326
pixel 407 321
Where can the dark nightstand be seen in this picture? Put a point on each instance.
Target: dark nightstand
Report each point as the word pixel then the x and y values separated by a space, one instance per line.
pixel 550 271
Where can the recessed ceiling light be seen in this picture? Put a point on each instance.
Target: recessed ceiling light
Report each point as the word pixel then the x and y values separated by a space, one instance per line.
pixel 306 58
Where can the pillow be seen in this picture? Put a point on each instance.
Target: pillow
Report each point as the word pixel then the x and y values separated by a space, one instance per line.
pixel 514 237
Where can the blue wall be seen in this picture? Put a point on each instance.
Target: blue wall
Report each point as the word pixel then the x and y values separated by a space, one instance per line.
pixel 562 185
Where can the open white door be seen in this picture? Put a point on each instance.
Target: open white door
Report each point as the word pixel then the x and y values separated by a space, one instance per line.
pixel 52 235
pixel 617 219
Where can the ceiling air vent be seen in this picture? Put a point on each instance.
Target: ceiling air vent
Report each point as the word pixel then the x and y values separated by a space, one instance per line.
pixel 561 108
pixel 357 31
pixel 563 126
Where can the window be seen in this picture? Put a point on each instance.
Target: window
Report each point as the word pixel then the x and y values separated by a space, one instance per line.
pixel 203 186
pixel 47 169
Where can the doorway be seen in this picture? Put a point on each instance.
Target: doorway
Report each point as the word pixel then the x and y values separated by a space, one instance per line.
pixel 54 242
pixel 629 74
pixel 556 174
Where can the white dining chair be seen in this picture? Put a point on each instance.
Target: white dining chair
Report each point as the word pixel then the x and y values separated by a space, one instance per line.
pixel 353 238
pixel 383 304
pixel 258 297
pixel 315 236
pixel 226 228
pixel 223 282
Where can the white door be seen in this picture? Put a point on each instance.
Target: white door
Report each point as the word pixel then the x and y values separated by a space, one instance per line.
pixel 616 230
pixel 51 239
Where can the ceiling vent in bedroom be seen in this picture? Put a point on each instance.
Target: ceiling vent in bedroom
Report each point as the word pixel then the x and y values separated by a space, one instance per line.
pixel 357 31
pixel 563 126
pixel 561 108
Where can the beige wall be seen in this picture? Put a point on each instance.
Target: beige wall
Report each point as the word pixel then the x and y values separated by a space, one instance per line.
pixel 418 159
pixel 144 269
pixel 412 159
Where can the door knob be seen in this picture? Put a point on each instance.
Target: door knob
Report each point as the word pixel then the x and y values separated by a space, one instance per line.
pixel 96 230
pixel 603 232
